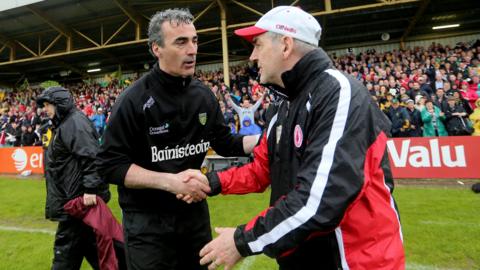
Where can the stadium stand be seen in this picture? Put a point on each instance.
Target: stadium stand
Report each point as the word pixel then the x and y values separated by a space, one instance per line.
pixel 437 73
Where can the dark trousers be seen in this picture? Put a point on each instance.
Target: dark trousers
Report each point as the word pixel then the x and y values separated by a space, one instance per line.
pixel 73 241
pixel 319 253
pixel 155 240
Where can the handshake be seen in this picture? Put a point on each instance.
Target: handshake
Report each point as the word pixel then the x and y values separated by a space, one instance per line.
pixel 190 186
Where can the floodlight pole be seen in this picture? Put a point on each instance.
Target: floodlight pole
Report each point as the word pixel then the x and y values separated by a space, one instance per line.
pixel 223 24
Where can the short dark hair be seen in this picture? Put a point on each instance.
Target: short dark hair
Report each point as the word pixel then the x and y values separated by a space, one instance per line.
pixel 175 15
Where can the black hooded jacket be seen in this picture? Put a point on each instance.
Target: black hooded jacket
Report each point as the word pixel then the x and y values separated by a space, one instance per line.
pixel 69 159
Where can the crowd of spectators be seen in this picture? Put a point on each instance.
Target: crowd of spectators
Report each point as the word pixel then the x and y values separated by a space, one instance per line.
pixel 424 91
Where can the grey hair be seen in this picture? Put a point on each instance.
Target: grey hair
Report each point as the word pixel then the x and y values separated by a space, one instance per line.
pixel 301 46
pixel 175 15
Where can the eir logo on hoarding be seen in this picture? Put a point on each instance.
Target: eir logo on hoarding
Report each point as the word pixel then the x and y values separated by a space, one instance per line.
pixel 24 160
pixel 425 156
pixel 20 159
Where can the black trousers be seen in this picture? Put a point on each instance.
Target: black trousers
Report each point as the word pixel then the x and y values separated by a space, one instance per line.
pixel 319 253
pixel 73 241
pixel 159 241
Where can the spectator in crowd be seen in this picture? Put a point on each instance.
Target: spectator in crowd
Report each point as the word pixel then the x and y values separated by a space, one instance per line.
pixel 462 101
pixel 29 137
pixel 416 90
pixel 319 195
pixel 227 113
pixel 439 82
pixel 13 134
pixel 70 172
pixel 249 127
pixel 159 130
pixel 262 113
pixel 99 121
pixel 432 118
pixel 420 102
pixel 474 85
pixel 456 119
pixel 440 99
pixel 468 94
pixel 425 86
pixel 246 109
pixel 447 88
pixel 399 118
pixel 416 125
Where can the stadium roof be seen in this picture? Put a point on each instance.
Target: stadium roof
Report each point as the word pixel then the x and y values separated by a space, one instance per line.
pixel 62 39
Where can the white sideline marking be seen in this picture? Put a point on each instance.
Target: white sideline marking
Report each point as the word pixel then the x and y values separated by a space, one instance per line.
pixel 247 263
pixel 29 230
pixel 450 223
pixel 414 266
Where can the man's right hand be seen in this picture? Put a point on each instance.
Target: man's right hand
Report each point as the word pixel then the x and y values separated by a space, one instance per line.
pixel 190 186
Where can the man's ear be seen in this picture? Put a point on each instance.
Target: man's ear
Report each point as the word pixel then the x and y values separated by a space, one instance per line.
pixel 156 49
pixel 287 43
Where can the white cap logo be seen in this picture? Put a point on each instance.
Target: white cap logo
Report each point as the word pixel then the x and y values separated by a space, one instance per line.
pixel 291 21
pixel 20 159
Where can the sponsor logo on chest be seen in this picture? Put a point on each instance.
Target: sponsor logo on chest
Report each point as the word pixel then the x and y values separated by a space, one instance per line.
pixel 159 130
pixel 182 151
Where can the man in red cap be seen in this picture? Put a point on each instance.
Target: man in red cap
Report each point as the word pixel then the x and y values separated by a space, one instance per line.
pixel 324 155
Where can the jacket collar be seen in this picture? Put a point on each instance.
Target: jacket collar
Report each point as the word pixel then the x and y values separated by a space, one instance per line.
pixel 171 83
pixel 296 79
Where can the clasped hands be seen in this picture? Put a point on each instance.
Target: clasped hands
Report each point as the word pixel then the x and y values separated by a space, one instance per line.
pixel 190 186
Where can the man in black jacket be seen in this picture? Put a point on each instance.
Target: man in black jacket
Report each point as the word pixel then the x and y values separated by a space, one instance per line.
pixel 324 155
pixel 70 172
pixel 161 127
pixel 416 124
pixel 456 119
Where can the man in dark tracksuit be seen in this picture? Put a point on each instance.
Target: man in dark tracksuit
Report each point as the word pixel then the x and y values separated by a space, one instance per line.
pixel 399 117
pixel 159 128
pixel 70 172
pixel 324 155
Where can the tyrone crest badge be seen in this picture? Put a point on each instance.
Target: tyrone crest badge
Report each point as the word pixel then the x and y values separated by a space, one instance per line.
pixel 202 118
pixel 298 136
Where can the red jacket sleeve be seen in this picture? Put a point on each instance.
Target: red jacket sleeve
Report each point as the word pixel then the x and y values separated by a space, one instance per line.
pixel 249 178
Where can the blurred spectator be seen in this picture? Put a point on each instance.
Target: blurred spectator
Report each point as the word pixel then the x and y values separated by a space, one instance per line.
pixel 13 134
pixel 432 118
pixel 439 82
pixel 249 127
pixel 456 119
pixel 462 102
pixel 420 102
pixel 99 121
pixel 416 90
pixel 425 86
pixel 440 100
pixel 416 125
pixel 468 94
pixel 400 119
pixel 29 137
pixel 245 109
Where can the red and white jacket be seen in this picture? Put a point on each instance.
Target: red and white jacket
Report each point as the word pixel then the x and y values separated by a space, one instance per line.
pixel 324 155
